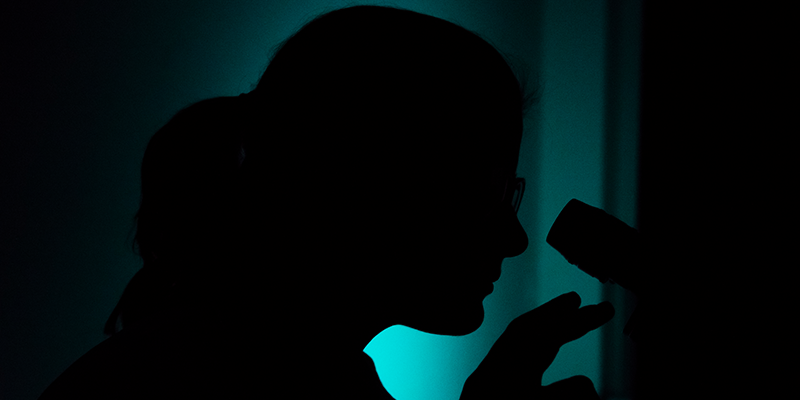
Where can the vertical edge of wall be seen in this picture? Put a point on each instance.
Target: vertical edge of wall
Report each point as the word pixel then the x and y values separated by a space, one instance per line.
pixel 623 58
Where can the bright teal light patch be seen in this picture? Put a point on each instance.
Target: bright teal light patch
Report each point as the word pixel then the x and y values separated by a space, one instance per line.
pixel 141 62
pixel 562 157
pixel 417 365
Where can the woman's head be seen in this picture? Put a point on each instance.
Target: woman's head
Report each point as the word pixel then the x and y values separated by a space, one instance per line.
pixel 385 140
pixel 189 185
pixel 188 225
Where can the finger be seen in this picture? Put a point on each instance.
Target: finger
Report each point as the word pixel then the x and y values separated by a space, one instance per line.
pixel 587 319
pixel 551 312
pixel 538 328
pixel 575 388
pixel 535 337
pixel 563 320
pixel 566 300
pixel 544 327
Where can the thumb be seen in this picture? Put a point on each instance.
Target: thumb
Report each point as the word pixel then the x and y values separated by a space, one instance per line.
pixel 575 388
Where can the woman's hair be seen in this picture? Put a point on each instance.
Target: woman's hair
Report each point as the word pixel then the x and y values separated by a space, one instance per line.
pixel 351 136
pixel 189 193
pixel 375 108
pixel 187 176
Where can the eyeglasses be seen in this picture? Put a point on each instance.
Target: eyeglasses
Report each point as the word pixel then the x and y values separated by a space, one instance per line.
pixel 514 190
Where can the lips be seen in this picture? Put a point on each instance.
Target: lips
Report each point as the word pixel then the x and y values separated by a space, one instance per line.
pixel 497 274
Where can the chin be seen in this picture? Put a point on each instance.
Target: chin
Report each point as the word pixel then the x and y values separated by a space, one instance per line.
pixel 464 327
pixel 460 323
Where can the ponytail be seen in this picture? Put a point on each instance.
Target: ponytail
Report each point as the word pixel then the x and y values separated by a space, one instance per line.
pixel 189 187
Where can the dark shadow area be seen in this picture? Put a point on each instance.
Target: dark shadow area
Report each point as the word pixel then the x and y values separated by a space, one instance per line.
pixel 261 217
pixel 709 194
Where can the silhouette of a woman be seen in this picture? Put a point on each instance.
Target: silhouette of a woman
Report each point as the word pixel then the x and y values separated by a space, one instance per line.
pixel 378 188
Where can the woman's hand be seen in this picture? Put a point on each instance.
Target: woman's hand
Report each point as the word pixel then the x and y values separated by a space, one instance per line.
pixel 516 363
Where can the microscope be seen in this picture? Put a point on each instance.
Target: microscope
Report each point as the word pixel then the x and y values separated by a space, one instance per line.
pixel 609 250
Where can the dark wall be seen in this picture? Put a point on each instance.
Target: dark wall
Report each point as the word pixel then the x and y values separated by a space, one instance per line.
pixel 713 196
pixel 84 86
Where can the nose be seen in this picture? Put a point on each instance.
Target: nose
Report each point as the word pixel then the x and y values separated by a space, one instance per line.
pixel 519 238
pixel 512 241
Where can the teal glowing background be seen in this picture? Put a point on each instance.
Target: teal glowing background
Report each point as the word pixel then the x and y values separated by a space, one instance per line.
pixel 99 79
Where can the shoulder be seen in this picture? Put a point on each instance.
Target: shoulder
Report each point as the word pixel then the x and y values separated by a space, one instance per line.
pixel 123 366
pixel 164 364
pixel 93 375
pixel 363 376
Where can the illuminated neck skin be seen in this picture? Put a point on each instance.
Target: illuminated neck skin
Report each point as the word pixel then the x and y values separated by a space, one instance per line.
pixel 438 290
pixel 449 302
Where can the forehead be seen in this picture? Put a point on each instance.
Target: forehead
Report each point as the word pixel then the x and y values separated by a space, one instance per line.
pixel 493 141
